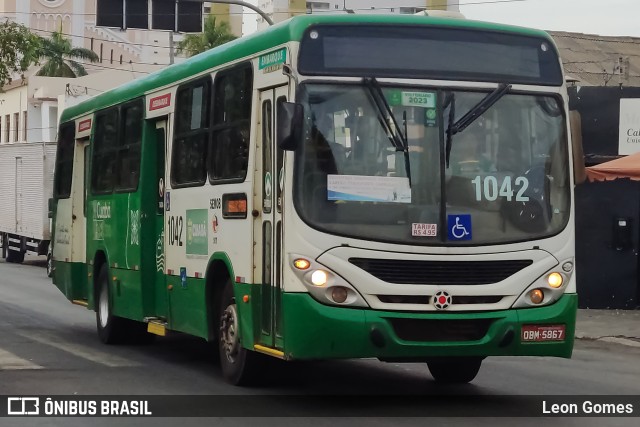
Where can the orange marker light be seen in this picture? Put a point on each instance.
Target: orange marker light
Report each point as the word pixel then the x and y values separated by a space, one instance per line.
pixel 301 264
pixel 245 298
pixel 536 296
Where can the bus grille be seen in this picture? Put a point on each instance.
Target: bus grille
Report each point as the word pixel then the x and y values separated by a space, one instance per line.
pixel 426 299
pixel 440 330
pixel 416 272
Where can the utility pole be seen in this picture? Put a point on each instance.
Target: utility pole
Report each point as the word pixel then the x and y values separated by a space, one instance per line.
pixel 171 53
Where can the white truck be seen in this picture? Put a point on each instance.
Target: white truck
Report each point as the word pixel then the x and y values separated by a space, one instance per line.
pixel 26 173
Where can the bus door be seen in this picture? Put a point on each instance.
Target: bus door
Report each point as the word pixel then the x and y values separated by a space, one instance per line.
pixel 268 229
pixel 69 245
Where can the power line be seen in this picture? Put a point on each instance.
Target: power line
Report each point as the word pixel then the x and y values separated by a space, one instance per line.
pixel 104 40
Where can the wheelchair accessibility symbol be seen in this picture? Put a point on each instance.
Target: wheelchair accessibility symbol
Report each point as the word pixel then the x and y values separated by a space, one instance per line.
pixel 459 227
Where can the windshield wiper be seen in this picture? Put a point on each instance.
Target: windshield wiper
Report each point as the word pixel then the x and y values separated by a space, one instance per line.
pixel 396 136
pixel 472 115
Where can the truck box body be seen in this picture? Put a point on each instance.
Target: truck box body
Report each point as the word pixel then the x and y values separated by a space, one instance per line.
pixel 26 174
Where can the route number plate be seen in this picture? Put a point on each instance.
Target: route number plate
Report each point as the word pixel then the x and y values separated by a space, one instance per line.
pixel 536 333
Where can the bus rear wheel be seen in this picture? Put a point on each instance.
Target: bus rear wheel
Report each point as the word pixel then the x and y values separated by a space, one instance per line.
pixel 239 365
pixel 455 370
pixel 111 329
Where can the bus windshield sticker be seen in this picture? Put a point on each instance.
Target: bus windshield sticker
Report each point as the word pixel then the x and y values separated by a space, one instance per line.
pixel 398 97
pixel 419 99
pixel 424 230
pixel 272 61
pixel 431 116
pixel 459 227
pixel 368 188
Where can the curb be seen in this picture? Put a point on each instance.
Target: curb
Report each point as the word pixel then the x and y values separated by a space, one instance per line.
pixel 626 341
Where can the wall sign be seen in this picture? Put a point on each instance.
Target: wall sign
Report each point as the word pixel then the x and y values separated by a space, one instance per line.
pixel 629 137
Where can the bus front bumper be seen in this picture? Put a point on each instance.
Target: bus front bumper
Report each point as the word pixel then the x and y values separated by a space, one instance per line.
pixel 316 331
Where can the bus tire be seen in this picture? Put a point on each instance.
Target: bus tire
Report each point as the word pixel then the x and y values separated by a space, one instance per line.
pixel 455 370
pixel 15 257
pixel 49 265
pixel 111 329
pixel 239 365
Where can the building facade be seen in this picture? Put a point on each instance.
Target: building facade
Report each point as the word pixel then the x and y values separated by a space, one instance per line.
pixel 76 19
pixel 230 13
pixel 279 10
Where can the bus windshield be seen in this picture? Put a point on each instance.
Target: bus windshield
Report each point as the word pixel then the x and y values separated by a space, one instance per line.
pixel 503 178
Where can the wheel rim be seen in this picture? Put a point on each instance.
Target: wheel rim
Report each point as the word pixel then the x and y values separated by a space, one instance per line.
pixel 229 338
pixel 103 307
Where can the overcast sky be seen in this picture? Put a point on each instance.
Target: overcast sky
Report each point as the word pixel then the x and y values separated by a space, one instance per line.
pixel 604 17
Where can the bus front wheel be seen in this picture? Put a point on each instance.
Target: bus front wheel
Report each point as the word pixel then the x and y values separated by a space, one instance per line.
pixel 239 365
pixel 455 370
pixel 110 328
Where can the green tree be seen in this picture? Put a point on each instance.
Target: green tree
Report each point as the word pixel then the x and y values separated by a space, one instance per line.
pixel 61 59
pixel 19 49
pixel 214 34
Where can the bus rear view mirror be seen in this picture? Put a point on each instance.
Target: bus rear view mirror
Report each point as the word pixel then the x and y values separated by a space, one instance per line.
pixel 289 130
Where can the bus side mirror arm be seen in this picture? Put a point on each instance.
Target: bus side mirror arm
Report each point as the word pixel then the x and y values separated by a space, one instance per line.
pixel 579 170
pixel 289 126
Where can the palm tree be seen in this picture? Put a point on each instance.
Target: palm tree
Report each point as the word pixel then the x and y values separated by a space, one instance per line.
pixel 214 34
pixel 60 57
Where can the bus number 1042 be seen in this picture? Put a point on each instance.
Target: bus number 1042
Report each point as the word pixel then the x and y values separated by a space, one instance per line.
pixel 490 189
pixel 175 224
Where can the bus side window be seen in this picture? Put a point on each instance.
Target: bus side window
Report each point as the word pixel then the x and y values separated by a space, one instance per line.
pixel 229 149
pixel 104 152
pixel 188 165
pixel 64 162
pixel 128 166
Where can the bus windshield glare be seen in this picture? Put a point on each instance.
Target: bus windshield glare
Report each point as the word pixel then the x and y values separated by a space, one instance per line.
pixel 503 178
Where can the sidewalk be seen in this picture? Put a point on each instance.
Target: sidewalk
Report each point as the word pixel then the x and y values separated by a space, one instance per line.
pixel 617 326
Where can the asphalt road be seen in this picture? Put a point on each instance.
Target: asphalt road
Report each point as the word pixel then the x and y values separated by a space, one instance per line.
pixel 48 346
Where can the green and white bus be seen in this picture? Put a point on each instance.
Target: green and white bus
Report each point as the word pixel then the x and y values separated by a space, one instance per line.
pixel 395 187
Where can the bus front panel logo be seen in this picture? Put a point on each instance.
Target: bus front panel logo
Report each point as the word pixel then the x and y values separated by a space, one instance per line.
pixel 442 300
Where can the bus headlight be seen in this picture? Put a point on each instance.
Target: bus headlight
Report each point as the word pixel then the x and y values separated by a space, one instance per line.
pixel 546 290
pixel 325 285
pixel 319 278
pixel 555 280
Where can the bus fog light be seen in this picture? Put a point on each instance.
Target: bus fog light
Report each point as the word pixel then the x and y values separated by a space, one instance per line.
pixel 536 296
pixel 301 264
pixel 339 294
pixel 319 278
pixel 555 280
